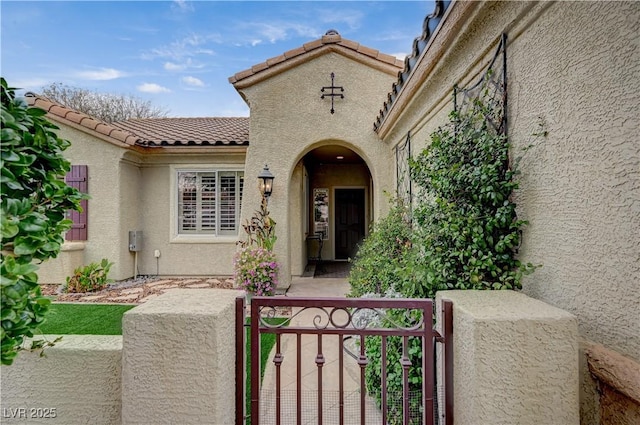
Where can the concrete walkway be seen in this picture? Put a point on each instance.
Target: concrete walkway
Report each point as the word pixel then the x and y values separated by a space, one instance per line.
pixel 314 287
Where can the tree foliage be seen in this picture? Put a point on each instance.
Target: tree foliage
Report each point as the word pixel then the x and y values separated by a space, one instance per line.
pixel 103 106
pixel 34 201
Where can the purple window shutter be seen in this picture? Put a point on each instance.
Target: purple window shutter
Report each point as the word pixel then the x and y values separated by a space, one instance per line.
pixel 78 178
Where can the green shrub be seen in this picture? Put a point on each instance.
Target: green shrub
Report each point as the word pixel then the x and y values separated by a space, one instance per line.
pixel 33 205
pixel 378 265
pixel 90 278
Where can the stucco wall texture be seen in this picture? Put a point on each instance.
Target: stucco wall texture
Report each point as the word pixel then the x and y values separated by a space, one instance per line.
pixel 575 67
pixel 178 362
pixel 78 382
pixel 515 360
pixel 104 219
pixel 288 119
pixel 157 207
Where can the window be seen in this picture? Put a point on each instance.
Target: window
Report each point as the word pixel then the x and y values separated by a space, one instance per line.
pixel 209 202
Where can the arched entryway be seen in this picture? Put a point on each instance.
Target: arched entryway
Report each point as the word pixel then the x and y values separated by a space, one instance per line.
pixel 337 191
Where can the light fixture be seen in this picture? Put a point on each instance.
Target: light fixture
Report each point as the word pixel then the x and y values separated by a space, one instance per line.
pixel 265 181
pixel 340 157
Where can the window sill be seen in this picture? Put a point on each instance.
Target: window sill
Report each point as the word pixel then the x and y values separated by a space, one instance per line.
pixel 210 239
pixel 72 246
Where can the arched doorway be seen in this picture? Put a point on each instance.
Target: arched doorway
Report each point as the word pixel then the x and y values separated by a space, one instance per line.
pixel 338 190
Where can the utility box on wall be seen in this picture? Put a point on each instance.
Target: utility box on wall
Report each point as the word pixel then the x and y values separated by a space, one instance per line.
pixel 135 240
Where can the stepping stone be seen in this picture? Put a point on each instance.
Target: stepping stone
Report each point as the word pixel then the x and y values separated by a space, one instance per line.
pixel 166 286
pixel 158 282
pixel 130 297
pixel 188 281
pixel 199 285
pixel 131 291
pixel 213 281
pixel 92 297
pixel 148 297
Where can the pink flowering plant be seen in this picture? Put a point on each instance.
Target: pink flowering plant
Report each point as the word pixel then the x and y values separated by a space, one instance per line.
pixel 256 270
pixel 255 266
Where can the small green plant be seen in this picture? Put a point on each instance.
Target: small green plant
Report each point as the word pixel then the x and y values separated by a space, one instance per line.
pixel 90 278
pixel 260 229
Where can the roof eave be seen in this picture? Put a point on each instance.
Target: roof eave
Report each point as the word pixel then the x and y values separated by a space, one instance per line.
pixel 448 29
pixel 82 122
pixel 293 58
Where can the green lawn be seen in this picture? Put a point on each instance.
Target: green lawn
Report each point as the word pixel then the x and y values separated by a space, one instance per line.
pixel 84 319
pixel 267 341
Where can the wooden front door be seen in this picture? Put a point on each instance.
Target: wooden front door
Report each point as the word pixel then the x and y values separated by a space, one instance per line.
pixel 349 219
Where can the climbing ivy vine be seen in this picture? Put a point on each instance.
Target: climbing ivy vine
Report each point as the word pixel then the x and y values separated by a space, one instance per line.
pixel 466 221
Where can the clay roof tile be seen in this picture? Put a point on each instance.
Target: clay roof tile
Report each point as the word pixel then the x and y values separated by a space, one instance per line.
pixel 294 52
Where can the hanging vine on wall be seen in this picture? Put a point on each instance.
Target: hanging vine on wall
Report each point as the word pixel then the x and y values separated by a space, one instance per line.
pixel 467 221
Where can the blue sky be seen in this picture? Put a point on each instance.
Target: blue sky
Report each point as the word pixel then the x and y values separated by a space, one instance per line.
pixel 180 54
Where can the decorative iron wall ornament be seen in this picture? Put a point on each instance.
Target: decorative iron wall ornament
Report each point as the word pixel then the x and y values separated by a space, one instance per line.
pixel 333 92
pixel 490 90
pixel 403 172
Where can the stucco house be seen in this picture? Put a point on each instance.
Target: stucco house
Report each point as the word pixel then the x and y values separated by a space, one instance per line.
pixel 188 183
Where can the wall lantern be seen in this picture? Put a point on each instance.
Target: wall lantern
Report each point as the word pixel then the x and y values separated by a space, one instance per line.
pixel 265 181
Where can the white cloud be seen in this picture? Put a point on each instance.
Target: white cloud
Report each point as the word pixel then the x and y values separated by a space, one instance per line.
pixel 101 74
pixel 192 81
pixel 351 18
pixel 152 88
pixel 190 46
pixel 254 33
pixel 400 56
pixel 31 84
pixel 170 66
pixel 175 66
pixel 182 5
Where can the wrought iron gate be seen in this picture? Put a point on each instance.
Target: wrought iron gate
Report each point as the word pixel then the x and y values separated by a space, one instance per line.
pixel 341 337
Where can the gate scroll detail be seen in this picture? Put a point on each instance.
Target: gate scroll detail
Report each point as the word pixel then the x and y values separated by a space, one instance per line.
pixel 321 353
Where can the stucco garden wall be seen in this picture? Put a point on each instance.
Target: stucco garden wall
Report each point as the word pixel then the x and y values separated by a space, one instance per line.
pixel 515 359
pixel 288 119
pixel 78 382
pixel 174 364
pixel 575 67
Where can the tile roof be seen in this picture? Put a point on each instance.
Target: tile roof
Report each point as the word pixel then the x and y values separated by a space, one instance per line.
pixel 210 131
pixel 420 43
pixel 331 40
pixel 152 132
pixel 79 119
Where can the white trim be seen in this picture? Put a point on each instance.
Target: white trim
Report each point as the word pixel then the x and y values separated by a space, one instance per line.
pixel 174 235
